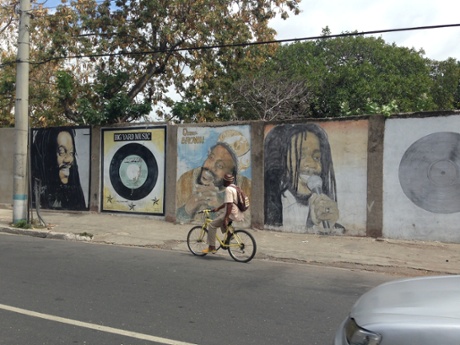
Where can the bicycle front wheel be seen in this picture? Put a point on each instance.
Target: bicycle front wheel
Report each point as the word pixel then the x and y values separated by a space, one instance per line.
pixel 242 246
pixel 197 240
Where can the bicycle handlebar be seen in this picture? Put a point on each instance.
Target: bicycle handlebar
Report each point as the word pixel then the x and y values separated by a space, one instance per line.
pixel 205 211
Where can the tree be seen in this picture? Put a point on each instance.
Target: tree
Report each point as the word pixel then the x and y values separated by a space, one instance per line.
pixel 8 27
pixel 357 71
pixel 352 75
pixel 270 97
pixel 446 83
pixel 8 23
pixel 41 76
pixel 137 50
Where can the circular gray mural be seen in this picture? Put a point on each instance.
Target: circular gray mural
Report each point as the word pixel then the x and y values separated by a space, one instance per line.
pixel 429 172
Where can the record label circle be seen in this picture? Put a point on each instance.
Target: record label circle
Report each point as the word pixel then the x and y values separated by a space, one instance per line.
pixel 429 172
pixel 133 171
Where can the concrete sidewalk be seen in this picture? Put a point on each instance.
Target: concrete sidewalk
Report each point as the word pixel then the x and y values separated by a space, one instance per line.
pixel 411 258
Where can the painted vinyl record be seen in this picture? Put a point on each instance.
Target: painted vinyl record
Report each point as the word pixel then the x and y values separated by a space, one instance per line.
pixel 429 172
pixel 133 171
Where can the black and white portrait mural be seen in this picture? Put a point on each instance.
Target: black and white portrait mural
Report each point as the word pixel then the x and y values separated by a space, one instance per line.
pixel 300 184
pixel 422 179
pixel 315 177
pixel 60 159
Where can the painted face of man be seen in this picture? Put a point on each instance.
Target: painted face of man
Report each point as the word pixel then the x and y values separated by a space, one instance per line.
pixel 65 155
pixel 303 161
pixel 218 163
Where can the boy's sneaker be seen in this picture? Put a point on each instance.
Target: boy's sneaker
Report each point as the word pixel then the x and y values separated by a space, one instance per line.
pixel 209 250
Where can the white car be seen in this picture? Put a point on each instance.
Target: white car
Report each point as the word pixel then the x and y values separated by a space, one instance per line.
pixel 416 311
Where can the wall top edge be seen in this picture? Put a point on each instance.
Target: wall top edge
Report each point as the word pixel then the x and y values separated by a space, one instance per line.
pixel 420 114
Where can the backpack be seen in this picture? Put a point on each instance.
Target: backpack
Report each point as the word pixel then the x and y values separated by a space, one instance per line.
pixel 242 199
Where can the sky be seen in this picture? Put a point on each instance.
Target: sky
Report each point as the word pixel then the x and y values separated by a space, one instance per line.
pixel 370 15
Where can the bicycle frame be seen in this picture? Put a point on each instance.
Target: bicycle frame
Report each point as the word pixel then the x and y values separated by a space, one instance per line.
pixel 230 229
pixel 240 243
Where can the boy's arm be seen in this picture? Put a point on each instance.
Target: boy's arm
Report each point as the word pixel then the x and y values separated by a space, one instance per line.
pixel 218 208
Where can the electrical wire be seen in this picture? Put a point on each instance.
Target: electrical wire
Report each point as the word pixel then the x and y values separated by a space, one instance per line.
pixel 236 45
pixel 246 44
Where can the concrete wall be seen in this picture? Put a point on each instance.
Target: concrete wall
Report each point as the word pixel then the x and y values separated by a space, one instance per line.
pixel 421 184
pixel 7 150
pixel 340 159
pixel 396 177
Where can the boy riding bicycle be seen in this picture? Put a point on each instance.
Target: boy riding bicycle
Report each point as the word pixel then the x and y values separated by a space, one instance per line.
pixel 232 212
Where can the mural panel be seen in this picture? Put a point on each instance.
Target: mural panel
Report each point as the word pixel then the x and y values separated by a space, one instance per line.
pixel 204 156
pixel 60 158
pixel 308 169
pixel 133 170
pixel 422 179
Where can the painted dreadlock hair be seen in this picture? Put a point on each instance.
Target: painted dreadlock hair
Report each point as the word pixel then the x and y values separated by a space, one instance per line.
pixel 45 169
pixel 281 166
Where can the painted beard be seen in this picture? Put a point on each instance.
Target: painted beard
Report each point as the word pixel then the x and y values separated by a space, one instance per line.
pixel 64 173
pixel 207 177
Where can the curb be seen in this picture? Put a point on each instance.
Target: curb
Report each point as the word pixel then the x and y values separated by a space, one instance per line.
pixel 46 234
pixel 405 265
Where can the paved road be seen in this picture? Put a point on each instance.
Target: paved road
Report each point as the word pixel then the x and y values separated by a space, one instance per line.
pixel 103 294
pixel 412 258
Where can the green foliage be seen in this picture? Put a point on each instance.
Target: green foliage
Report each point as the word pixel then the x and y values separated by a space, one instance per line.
pixel 137 51
pixel 22 224
pixel 200 110
pixel 370 109
pixel 366 74
pixel 99 104
pixel 102 63
pixel 330 77
pixel 7 92
pixel 353 75
pixel 86 234
pixel 446 83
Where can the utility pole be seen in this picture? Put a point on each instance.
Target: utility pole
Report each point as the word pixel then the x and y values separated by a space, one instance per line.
pixel 21 117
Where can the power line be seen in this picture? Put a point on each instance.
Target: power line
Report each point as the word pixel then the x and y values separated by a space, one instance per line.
pixel 246 44
pixel 235 45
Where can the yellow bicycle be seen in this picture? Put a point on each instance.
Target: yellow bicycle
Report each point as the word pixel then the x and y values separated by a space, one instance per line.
pixel 240 244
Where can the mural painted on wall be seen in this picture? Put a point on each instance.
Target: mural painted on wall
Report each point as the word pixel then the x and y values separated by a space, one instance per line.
pixel 429 172
pixel 422 179
pixel 60 159
pixel 133 170
pixel 205 155
pixel 300 184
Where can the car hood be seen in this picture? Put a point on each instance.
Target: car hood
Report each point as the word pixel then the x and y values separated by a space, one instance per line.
pixel 420 300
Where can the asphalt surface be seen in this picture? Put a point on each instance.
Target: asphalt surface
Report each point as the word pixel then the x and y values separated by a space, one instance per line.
pixel 399 257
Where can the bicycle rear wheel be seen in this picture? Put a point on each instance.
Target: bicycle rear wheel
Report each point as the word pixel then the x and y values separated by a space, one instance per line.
pixel 242 246
pixel 197 240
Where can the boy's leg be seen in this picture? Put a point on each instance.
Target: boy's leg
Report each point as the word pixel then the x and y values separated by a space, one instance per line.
pixel 212 228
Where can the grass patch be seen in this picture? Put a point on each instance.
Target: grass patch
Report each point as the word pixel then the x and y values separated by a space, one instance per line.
pixel 22 224
pixel 86 234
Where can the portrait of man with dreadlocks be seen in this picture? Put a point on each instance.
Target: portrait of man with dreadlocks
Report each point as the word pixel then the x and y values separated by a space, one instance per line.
pixel 300 187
